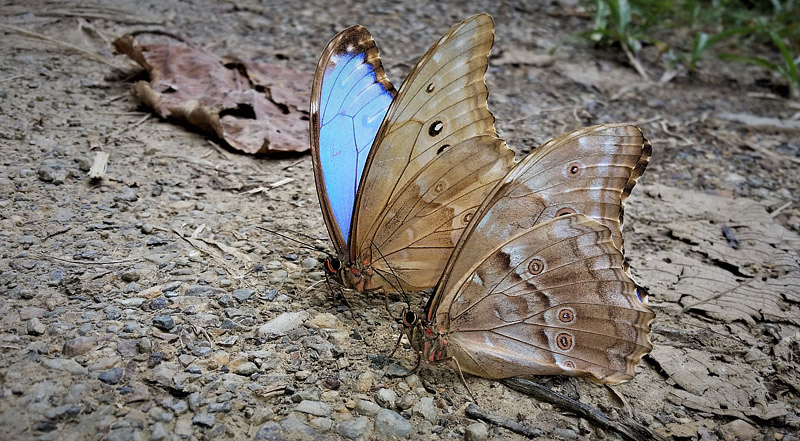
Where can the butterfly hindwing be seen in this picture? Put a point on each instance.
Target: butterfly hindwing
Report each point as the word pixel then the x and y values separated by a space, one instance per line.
pixel 538 284
pixel 590 171
pixel 435 158
pixel 554 299
pixel 350 97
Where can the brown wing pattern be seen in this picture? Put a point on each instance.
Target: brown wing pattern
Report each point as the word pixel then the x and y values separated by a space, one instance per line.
pixel 589 171
pixel 554 299
pixel 439 150
pixel 425 221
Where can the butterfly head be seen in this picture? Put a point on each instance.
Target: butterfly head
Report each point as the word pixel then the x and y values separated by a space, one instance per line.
pixel 423 338
pixel 334 268
pixel 348 275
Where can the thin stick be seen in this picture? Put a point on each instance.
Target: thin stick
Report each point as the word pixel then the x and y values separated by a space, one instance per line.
pixel 99 165
pixel 11 78
pixel 635 62
pixel 628 428
pixel 476 413
pixel 686 141
pixel 81 262
pixel 779 209
pixel 303 244
pixel 293 164
pixel 29 34
pixel 113 137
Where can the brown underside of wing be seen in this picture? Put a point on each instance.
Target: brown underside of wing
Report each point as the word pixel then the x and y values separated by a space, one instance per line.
pixel 589 171
pixel 435 159
pixel 554 299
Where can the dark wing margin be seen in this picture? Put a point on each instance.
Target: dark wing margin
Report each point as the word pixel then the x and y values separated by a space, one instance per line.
pixel 350 96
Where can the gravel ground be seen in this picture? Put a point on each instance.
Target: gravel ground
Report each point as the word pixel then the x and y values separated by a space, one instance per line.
pixel 147 305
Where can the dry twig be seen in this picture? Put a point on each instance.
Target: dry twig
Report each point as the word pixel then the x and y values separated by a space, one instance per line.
pixel 34 35
pixel 629 429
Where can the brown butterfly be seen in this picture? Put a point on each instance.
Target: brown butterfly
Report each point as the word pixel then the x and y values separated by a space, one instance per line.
pixel 399 177
pixel 537 284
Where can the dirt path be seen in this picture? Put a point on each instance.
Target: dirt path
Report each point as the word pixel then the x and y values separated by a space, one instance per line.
pixel 148 306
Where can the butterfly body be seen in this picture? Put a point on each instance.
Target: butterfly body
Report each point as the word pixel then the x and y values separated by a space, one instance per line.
pixel 537 284
pixel 399 174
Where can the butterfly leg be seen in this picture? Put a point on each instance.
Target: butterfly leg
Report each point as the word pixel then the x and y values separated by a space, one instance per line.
pixel 396 345
pixel 460 375
pixel 346 302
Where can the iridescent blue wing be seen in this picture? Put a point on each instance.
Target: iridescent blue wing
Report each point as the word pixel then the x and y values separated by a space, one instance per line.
pixel 349 98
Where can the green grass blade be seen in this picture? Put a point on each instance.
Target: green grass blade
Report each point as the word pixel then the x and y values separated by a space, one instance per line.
pixel 757 61
pixel 788 59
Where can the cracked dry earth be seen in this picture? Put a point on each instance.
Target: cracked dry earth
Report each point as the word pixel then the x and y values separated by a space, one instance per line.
pixel 148 306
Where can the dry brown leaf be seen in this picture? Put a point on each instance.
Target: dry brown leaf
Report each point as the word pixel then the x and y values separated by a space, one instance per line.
pixel 256 107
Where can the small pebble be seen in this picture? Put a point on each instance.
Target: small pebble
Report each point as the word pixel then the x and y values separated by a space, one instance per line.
pixel 163 322
pixel 322 424
pixel 283 323
pixel 426 409
pixel 476 432
pixel 392 425
pixel 364 407
pixel 242 295
pixel 158 303
pixel 246 369
pixel 204 420
pixel 407 400
pixel 111 376
pixel 46 174
pixel 220 407
pixel 78 346
pixel 130 276
pixel 65 364
pixel 36 327
pixel 357 428
pixel 333 383
pixel 386 398
pixel 113 313
pixel 309 263
pixel 158 432
pixel 316 408
pixel 364 382
pixel 262 415
pixel 226 301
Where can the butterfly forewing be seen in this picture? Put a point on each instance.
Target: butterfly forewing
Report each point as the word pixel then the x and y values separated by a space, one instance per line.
pixel 553 299
pixel 350 97
pixel 435 158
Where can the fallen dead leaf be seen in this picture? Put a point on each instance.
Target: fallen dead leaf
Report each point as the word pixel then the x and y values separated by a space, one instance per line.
pixel 255 107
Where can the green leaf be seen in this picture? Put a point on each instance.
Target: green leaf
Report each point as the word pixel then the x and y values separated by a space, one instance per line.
pixel 790 66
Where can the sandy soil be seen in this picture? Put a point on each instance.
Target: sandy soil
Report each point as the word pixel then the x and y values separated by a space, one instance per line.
pixel 133 306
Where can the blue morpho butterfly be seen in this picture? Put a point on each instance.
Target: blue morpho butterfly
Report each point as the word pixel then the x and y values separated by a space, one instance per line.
pixel 400 174
pixel 537 283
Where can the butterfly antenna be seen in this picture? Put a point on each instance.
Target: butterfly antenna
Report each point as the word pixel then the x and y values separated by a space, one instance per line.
pixel 304 245
pixel 399 286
